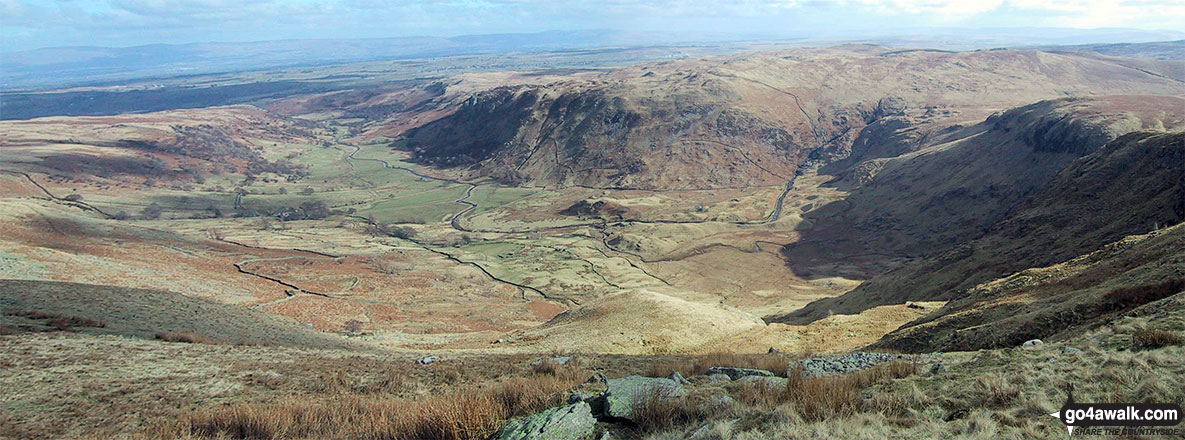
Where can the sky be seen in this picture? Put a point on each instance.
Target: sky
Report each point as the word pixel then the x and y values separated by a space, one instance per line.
pixel 29 24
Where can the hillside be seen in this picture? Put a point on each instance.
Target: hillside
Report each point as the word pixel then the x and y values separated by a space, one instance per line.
pixel 30 306
pixel 753 119
pixel 1058 301
pixel 1131 185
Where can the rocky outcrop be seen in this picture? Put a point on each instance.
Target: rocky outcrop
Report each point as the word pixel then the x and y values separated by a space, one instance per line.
pixel 570 422
pixel 737 373
pixel 624 394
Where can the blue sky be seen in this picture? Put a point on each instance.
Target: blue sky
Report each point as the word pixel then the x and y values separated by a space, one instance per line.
pixel 27 24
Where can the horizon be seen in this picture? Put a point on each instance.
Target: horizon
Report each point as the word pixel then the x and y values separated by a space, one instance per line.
pixel 32 25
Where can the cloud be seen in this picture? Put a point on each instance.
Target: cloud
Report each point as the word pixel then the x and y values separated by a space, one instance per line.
pixel 31 23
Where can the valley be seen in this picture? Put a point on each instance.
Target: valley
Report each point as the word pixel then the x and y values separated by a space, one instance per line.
pixel 642 216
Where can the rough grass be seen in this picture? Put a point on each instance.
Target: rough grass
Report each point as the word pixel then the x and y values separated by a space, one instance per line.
pixel 57 321
pixel 777 363
pixel 464 413
pixel 1149 339
pixel 1126 297
pixel 656 411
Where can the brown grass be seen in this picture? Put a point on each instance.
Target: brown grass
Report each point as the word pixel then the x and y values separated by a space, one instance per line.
pixel 1124 298
pixel 1149 339
pixel 59 322
pixel 467 413
pixel 819 398
pixel 656 411
pixel 698 365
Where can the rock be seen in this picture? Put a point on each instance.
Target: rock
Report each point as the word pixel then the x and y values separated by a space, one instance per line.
pixel 580 397
pixel 769 381
pixel 597 378
pixel 678 378
pixel 558 360
pixel 721 404
pixel 718 377
pixel 890 106
pixel 1031 343
pixel 571 422
pixel 1071 350
pixel 737 373
pixel 937 368
pixel 427 359
pixel 605 435
pixel 773 351
pixel 848 362
pixel 624 393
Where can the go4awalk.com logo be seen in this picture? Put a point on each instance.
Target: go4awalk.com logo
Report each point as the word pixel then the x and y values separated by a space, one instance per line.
pixel 1119 418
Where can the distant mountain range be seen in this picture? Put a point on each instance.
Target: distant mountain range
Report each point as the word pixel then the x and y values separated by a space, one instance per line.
pixel 64 66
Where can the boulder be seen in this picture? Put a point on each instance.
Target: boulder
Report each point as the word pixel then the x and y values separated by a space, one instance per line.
pixel 675 376
pixel 427 359
pixel 571 422
pixel 624 393
pixel 1031 343
pixel 737 373
pixel 718 377
pixel 937 368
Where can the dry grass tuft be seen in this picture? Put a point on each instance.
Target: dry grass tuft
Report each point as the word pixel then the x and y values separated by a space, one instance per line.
pixel 820 398
pixel 656 411
pixel 1149 339
pixel 472 413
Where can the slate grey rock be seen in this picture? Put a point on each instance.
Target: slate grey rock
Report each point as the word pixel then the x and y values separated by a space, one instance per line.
pixel 737 373
pixel 570 422
pixel 1071 351
pixel 580 397
pixel 720 404
pixel 625 393
pixel 937 368
pixel 854 361
pixel 719 377
pixel 427 359
pixel 675 376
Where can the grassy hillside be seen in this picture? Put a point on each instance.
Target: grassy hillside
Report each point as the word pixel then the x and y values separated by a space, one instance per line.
pixel 34 306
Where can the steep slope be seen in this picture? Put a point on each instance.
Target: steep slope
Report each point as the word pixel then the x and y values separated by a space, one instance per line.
pixel 751 119
pixel 964 182
pixel 1132 185
pixel 1055 301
